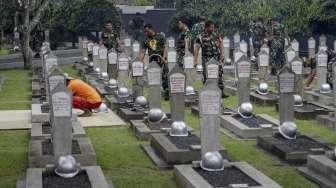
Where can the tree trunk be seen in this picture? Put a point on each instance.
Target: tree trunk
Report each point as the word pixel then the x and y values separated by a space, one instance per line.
pixel 26 51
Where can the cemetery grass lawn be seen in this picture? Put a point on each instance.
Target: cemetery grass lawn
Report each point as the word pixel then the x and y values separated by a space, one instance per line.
pixel 16 90
pixel 120 156
pixel 70 70
pixel 13 156
pixel 4 52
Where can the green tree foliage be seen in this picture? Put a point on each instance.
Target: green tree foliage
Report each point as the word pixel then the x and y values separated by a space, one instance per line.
pixel 144 2
pixel 323 16
pixel 7 9
pixel 230 16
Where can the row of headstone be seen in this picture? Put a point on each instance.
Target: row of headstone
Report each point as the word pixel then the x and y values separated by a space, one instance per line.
pixel 294 45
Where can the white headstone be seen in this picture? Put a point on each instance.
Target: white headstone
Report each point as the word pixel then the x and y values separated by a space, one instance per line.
pixel 90 46
pixel 177 83
pixel 123 64
pixel 295 45
pixel 237 55
pixel 297 66
pixel 290 54
pixel 127 42
pixel 136 47
pixel 236 38
pixel 95 50
pixel 113 58
pixel 102 53
pixel 322 59
pixel 137 69
pixel 188 61
pixel 311 43
pixel 212 71
pixel 243 46
pixel 263 59
pixel 171 42
pixel 226 42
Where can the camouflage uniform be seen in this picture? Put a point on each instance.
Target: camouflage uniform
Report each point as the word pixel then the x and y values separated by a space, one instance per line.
pixel 258 33
pixel 156 45
pixel 110 39
pixel 196 30
pixel 331 60
pixel 277 46
pixel 180 49
pixel 210 49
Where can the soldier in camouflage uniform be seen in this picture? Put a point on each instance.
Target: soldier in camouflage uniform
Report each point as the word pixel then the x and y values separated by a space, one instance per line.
pixel 277 45
pixel 197 29
pixel 258 33
pixel 212 47
pixel 110 38
pixel 155 43
pixel 183 42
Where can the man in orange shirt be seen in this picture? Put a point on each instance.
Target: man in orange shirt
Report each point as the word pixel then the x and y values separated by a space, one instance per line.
pixel 85 97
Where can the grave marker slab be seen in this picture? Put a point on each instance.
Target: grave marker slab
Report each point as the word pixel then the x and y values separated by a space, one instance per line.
pixel 311 48
pixel 102 54
pixel 123 70
pixel 154 84
pixel 226 46
pixel 113 64
pixel 243 73
pixel 138 80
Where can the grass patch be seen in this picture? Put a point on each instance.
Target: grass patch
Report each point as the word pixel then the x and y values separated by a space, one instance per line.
pixel 4 51
pixel 70 70
pixel 16 91
pixel 13 156
pixel 120 156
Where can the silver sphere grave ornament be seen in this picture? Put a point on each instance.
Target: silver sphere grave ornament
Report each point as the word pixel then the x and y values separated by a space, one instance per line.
pixel 66 167
pixel 212 161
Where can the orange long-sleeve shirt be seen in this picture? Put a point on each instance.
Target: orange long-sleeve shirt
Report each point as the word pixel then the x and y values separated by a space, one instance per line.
pixel 81 89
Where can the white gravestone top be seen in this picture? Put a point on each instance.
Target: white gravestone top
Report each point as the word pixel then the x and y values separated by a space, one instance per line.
pixel 209 102
pixel 137 68
pixel 113 58
pixel 177 83
pixel 123 64
pixel 61 104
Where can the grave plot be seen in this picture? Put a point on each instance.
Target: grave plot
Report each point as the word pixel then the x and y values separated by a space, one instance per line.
pixel 156 121
pixel 138 107
pixel 329 120
pixel 321 169
pixel 302 109
pixel 191 95
pixel 307 110
pixel 245 124
pixel 41 131
pixel 42 152
pixel 122 96
pixel 178 145
pixel 321 93
pixel 262 95
pixel 288 144
pixel 58 145
pixel 212 170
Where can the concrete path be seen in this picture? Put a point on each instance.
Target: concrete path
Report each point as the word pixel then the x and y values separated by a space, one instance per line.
pixel 15 119
pixel 101 119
